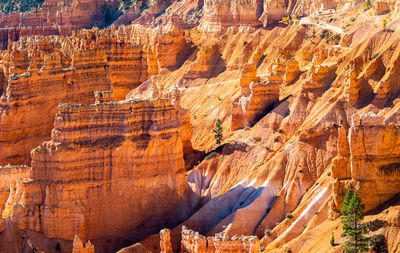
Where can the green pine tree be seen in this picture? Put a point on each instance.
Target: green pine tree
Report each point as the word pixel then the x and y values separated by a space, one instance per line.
pixel 58 247
pixel 218 132
pixel 352 215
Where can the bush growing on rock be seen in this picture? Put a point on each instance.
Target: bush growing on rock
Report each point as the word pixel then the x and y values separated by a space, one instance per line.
pixel 377 243
pixel 332 240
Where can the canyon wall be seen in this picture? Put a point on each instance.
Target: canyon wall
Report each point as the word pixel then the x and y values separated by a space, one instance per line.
pixel 285 93
pixel 57 17
pixel 219 15
pixel 371 148
pixel 40 72
pixel 36 84
pixel 102 156
pixel 9 174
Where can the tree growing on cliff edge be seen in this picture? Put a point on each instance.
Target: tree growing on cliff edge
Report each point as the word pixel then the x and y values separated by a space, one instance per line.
pixel 352 214
pixel 218 132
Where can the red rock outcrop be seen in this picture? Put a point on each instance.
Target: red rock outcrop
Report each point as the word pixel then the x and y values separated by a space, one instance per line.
pixel 273 11
pixel 56 17
pixel 194 242
pixel 70 70
pixel 221 15
pixel 39 82
pixel 251 106
pixel 98 152
pixel 372 149
pixel 8 176
pixel 383 7
pixel 165 241
pixel 105 167
pixel 79 247
pixel 205 63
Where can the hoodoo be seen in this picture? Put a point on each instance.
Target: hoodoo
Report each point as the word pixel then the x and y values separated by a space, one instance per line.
pixel 198 126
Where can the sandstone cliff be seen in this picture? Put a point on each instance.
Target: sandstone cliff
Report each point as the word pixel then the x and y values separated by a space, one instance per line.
pixel 70 70
pixel 57 17
pixel 98 152
pixel 309 108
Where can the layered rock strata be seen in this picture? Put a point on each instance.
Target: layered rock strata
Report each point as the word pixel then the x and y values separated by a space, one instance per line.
pixel 371 148
pixel 256 99
pixel 101 156
pixel 165 241
pixel 80 247
pixel 8 176
pixel 194 242
pixel 41 72
pixel 36 84
pixel 221 15
pixel 57 18
pixel 383 7
pixel 273 11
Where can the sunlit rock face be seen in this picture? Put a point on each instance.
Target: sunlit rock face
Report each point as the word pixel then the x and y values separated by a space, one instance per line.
pixel 372 149
pixel 101 158
pixel 194 242
pixel 219 15
pixel 40 72
pixel 110 132
pixel 56 18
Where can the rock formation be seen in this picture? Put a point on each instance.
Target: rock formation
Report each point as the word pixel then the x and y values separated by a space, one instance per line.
pixel 70 71
pixel 109 131
pixel 256 98
pixel 383 7
pixel 194 242
pixel 165 241
pixel 372 149
pixel 220 15
pixel 273 11
pixel 96 153
pixel 79 247
pixel 9 175
pixel 57 17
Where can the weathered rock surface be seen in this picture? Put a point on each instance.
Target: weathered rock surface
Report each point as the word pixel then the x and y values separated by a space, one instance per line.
pixel 80 247
pixel 56 17
pixel 42 72
pixel 256 99
pixel 8 177
pixel 114 172
pixel 98 152
pixel 220 15
pixel 372 149
pixel 165 241
pixel 194 242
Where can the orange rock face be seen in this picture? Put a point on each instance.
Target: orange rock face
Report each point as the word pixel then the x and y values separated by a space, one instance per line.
pixel 53 18
pixel 79 247
pixel 80 164
pixel 194 242
pixel 369 139
pixel 109 132
pixel 219 15
pixel 70 70
pixel 256 99
pixel 165 241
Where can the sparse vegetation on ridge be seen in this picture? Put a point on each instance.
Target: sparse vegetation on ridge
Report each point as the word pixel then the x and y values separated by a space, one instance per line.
pixel 8 6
